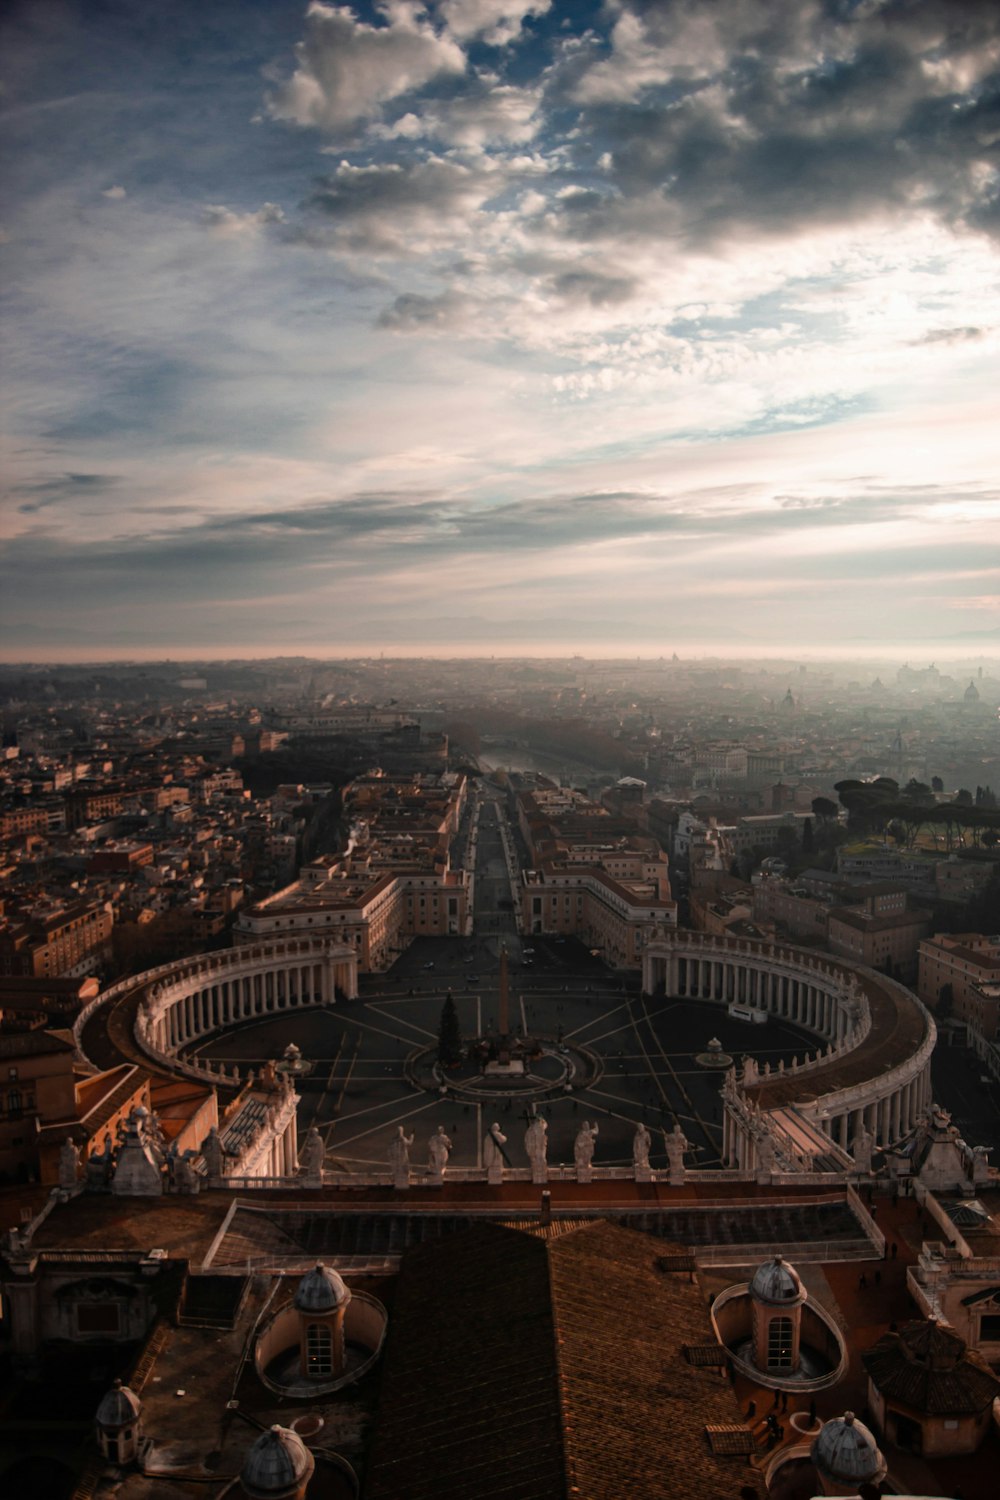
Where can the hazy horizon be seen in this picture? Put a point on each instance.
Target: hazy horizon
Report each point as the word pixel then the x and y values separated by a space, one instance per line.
pixel 472 324
pixel 693 653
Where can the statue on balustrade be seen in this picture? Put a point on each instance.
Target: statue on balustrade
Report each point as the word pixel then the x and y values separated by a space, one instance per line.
pixel 676 1143
pixel 313 1154
pixel 641 1143
pixel 69 1163
pixel 438 1152
pixel 583 1150
pixel 494 1156
pixel 399 1157
pixel 536 1144
pixel 862 1147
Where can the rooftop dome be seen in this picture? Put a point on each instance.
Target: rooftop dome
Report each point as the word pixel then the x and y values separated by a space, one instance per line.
pixel 846 1450
pixel 321 1290
pixel 276 1465
pixel 777 1283
pixel 119 1407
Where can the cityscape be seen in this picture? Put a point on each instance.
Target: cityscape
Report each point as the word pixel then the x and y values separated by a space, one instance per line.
pixel 352 1004
pixel 499 750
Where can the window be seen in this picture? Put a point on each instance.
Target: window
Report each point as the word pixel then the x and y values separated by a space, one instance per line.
pixel 779 1344
pixel 12 1075
pixel 14 1102
pixel 319 1351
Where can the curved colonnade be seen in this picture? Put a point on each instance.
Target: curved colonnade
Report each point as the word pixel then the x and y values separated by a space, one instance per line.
pixel 217 990
pixel 872 1069
pixel 181 1002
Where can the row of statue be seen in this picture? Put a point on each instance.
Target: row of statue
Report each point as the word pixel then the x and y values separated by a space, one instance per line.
pixel 139 1160
pixel 536 1146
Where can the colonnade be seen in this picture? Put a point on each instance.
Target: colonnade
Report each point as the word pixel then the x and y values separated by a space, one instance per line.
pixel 835 1002
pixel 815 1001
pixel 190 999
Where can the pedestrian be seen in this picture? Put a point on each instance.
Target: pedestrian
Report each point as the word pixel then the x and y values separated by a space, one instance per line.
pixel 774 1403
pixel 784 1401
pixel 812 1412
pixel 895 1247
pixel 862 1282
pixel 752 1411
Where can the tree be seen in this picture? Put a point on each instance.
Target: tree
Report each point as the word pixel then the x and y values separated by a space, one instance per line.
pixel 449 1035
pixel 824 809
pixel 937 785
pixel 964 796
pixel 808 844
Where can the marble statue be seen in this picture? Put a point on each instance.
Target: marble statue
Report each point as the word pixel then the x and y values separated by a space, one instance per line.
pixel 493 1154
pixel 438 1152
pixel 211 1150
pixel 536 1144
pixel 186 1179
pixel 98 1169
pixel 583 1150
pixel 641 1142
pixel 69 1163
pixel 861 1148
pixel 399 1158
pixel 313 1154
pixel 676 1144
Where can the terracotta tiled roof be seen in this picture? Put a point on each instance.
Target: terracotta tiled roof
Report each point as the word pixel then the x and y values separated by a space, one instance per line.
pixel 929 1369
pixel 528 1369
pixel 635 1409
pixel 469 1400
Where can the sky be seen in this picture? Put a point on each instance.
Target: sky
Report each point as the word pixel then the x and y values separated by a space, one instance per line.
pixel 477 327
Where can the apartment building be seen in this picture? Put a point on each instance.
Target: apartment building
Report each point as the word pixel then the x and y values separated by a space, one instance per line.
pixel 952 969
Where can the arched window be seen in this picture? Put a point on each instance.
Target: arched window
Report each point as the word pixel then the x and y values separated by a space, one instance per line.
pixel 319 1351
pixel 779 1344
pixel 14 1101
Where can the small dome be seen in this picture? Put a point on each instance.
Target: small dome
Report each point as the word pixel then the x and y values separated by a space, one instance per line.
pixel 778 1283
pixel 276 1465
pixel 846 1450
pixel 321 1290
pixel 119 1407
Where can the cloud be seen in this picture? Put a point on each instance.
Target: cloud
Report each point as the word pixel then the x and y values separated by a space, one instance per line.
pixel 487 113
pixel 347 70
pixel 228 223
pixel 496 22
pixel 114 192
pixel 952 336
pixel 397 209
pixel 61 489
pixel 748 116
pixel 445 313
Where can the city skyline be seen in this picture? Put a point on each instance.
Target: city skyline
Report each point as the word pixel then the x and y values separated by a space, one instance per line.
pixel 486 328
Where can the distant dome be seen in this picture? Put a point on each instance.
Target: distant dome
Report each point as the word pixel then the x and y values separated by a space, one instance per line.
pixel 846 1450
pixel 119 1407
pixel 276 1465
pixel 777 1283
pixel 321 1290
pixel 972 693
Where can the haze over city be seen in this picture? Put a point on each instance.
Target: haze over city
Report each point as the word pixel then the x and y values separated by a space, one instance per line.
pixel 481 326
